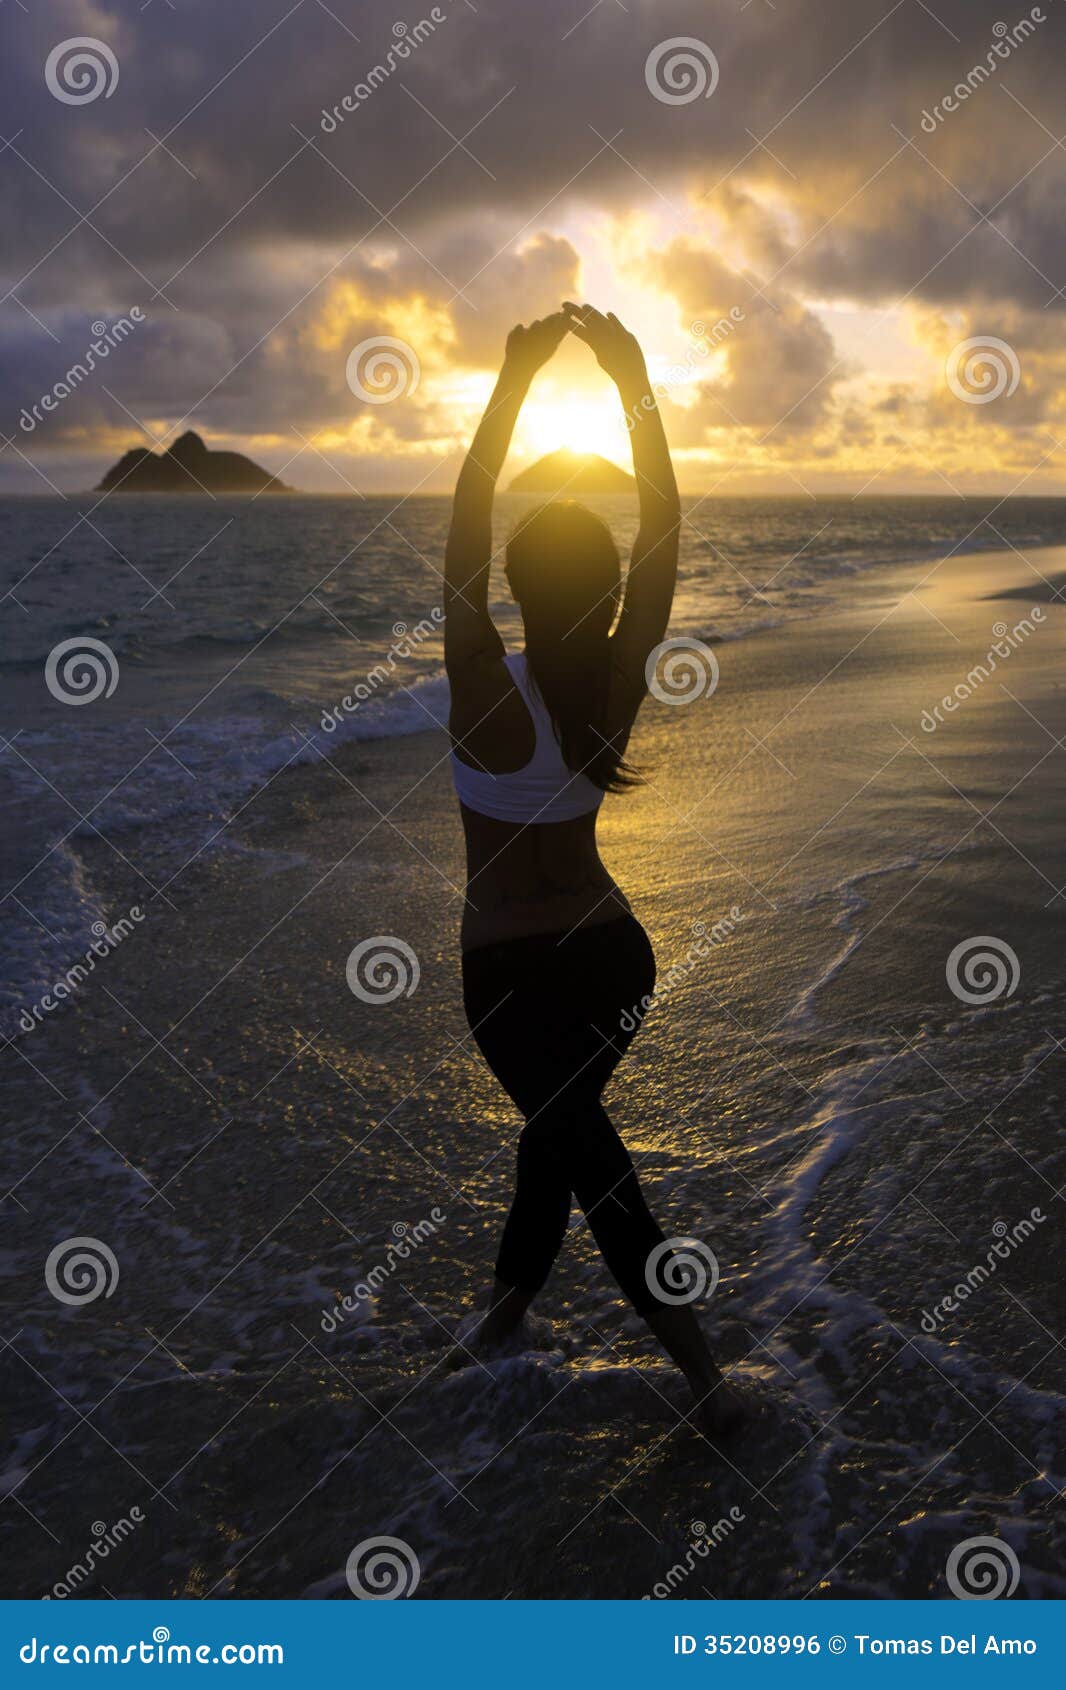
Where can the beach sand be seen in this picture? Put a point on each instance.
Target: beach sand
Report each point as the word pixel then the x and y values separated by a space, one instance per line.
pixel 809 1100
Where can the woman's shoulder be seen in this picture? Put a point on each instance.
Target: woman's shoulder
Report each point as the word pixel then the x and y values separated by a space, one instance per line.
pixel 490 721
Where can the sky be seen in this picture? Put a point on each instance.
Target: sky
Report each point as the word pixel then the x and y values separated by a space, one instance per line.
pixel 304 229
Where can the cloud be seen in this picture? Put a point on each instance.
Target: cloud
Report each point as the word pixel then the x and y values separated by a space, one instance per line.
pixel 469 187
pixel 780 361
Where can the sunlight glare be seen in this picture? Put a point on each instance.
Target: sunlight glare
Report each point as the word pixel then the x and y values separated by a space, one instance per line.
pixel 580 424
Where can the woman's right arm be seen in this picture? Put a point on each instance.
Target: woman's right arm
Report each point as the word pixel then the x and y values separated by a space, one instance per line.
pixel 652 576
pixel 469 634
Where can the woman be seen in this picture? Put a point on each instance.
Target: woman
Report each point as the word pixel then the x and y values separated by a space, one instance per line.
pixel 556 968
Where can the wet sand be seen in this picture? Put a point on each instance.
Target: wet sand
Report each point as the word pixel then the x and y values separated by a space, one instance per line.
pixel 810 1100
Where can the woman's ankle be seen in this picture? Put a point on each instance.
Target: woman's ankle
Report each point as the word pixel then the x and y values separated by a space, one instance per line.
pixel 706 1384
pixel 507 1306
pixel 497 1325
pixel 678 1331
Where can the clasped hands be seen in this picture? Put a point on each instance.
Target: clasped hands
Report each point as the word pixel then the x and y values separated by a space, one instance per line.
pixel 618 353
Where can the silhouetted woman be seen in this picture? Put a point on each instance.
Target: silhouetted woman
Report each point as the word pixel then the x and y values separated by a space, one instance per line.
pixel 556 968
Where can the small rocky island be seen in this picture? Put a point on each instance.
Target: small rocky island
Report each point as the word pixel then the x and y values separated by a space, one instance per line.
pixel 576 473
pixel 188 467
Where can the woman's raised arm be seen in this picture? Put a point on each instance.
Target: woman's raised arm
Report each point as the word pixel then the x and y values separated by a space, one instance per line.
pixel 652 575
pixel 469 633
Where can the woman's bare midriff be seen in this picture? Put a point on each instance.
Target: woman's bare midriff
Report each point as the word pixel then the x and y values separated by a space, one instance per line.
pixel 533 877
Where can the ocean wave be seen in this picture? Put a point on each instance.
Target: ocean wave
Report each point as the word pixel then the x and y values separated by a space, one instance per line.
pixel 242 670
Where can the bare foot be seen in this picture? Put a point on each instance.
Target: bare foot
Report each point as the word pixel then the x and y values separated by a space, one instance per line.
pixel 489 1336
pixel 720 1411
pixel 478 1335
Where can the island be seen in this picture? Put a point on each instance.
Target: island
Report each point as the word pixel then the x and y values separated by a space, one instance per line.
pixel 577 473
pixel 188 467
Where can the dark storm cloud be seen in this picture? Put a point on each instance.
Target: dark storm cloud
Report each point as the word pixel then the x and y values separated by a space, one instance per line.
pixel 812 151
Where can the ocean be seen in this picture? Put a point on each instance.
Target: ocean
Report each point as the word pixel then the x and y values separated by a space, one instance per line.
pixel 238 627
pixel 291 1196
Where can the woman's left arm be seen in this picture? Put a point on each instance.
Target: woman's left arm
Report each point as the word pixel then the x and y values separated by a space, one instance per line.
pixel 469 632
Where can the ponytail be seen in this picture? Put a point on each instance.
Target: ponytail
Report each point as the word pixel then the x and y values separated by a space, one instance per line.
pixel 572 676
pixel 563 568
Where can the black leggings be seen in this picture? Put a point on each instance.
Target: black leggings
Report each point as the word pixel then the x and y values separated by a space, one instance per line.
pixel 552 1014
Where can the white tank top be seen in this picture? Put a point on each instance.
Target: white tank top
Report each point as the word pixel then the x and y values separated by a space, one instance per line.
pixel 544 789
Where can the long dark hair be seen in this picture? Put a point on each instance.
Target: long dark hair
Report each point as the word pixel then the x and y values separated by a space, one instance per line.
pixel 564 570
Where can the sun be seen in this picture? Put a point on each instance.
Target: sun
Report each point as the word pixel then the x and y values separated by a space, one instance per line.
pixel 583 424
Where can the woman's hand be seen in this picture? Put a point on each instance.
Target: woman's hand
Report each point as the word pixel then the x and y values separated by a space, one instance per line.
pixel 617 351
pixel 529 348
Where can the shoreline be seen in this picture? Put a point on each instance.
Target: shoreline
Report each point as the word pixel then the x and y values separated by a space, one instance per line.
pixel 351 748
pixel 811 1100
